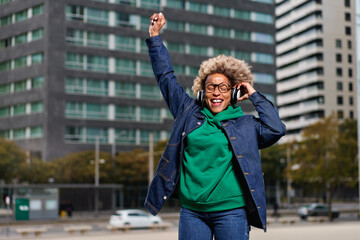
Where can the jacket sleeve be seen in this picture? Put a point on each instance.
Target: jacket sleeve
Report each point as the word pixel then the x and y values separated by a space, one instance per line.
pixel 268 126
pixel 173 93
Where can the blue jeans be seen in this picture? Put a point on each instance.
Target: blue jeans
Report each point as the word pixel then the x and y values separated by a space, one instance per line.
pixel 224 225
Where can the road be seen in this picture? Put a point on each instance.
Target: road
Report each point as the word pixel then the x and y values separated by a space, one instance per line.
pixel 276 231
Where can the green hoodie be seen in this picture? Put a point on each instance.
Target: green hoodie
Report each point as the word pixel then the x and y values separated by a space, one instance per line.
pixel 208 182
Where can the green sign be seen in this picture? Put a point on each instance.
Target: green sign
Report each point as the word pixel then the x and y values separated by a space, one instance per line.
pixel 22 209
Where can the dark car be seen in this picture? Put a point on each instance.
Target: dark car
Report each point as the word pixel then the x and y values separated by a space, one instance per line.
pixel 315 209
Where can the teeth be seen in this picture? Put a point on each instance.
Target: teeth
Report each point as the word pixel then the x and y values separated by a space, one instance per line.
pixel 216 101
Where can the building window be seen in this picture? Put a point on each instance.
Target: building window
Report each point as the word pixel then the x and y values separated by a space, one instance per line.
pixel 150 92
pixel 262 37
pixel 339 86
pixel 127 113
pixel 338 57
pixel 97 63
pixel 179 69
pixel 246 56
pixel 4 112
pixel 339 72
pixel 339 100
pixel 125 89
pixel 74 134
pixel 347 3
pixel 95 39
pixel 146 69
pixel 92 133
pixel 179 4
pixel 243 35
pixel 198 50
pixel 348 30
pixel 349 58
pixel 351 101
pixel 222 11
pixel 222 32
pixel 74 85
pixel 264 78
pixel 97 87
pixel 20 86
pixel 149 114
pixel 37 34
pixel 5 43
pixel 263 17
pixel 126 20
pixel 198 28
pixel 338 43
pixel 340 114
pixel 74 36
pixel 198 7
pixel 37 58
pixel 349 44
pixel 19 133
pixel 36 132
pixel 151 4
pixel 5 89
pixel 124 66
pixel 20 16
pixel 75 13
pixel 350 86
pixel 176 47
pixel 176 26
pixel 22 38
pixel 264 58
pixel 245 15
pixel 96 111
pixel 97 16
pixel 38 10
pixel 125 43
pixel 350 72
pixel 20 62
pixel 347 17
pixel 125 136
pixel 351 113
pixel 36 107
pixel 19 109
pixel 74 110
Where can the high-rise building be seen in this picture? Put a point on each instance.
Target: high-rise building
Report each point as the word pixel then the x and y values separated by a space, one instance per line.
pixel 72 71
pixel 315 47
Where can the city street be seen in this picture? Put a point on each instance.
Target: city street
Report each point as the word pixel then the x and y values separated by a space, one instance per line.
pixel 276 231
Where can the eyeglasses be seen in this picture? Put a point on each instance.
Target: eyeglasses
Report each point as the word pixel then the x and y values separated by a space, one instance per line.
pixel 223 87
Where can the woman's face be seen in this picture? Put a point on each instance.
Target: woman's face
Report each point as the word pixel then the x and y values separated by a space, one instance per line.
pixel 217 92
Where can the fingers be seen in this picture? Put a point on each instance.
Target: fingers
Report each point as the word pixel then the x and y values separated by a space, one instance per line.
pixel 157 17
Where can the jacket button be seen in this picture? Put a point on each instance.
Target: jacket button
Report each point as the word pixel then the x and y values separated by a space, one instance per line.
pixel 252 190
pixel 259 207
pixel 246 173
pixel 165 197
pixel 199 123
pixel 183 133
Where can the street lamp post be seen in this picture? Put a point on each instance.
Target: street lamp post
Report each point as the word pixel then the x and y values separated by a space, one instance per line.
pixel 96 182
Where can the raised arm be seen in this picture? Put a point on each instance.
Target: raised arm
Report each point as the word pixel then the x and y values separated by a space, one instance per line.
pixel 173 93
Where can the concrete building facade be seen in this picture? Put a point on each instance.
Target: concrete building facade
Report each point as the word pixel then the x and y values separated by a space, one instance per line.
pixel 315 47
pixel 72 71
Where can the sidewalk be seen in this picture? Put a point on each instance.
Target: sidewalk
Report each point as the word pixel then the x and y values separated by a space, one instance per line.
pixel 327 231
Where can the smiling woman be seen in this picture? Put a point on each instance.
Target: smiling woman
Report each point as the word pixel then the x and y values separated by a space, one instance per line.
pixel 212 156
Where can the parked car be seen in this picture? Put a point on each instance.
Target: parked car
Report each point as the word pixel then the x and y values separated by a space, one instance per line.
pixel 133 218
pixel 315 209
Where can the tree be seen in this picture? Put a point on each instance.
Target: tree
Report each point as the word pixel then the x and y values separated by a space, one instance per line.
pixel 77 168
pixel 320 160
pixel 11 158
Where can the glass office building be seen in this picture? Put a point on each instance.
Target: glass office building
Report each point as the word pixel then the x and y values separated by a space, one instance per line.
pixel 75 70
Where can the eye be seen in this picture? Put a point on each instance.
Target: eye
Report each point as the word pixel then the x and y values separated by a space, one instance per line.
pixel 223 87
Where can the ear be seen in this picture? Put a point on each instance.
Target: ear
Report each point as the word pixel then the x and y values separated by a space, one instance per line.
pixel 200 98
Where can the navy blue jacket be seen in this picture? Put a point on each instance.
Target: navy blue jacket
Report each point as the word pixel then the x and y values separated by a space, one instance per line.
pixel 246 135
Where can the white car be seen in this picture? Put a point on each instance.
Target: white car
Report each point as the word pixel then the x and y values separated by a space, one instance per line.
pixel 134 218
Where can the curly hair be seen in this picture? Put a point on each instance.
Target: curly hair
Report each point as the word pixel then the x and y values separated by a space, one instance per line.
pixel 235 70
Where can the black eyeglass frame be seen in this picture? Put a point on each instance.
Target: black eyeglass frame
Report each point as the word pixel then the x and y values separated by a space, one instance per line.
pixel 228 87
